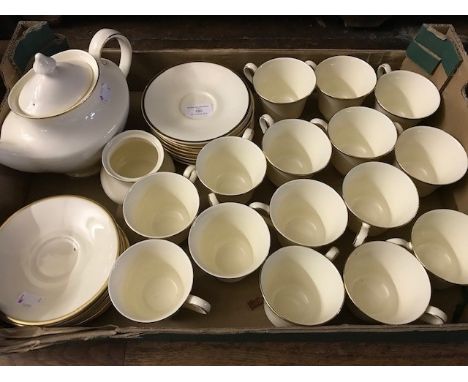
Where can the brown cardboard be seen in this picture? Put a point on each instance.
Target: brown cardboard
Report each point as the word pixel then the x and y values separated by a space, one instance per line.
pixel 231 313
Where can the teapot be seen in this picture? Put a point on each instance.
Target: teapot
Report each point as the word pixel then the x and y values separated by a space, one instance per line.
pixel 66 108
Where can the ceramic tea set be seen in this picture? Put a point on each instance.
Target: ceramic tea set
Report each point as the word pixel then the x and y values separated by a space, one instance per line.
pixel 64 259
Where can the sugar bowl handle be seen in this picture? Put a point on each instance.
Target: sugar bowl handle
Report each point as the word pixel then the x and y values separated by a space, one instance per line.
pixel 101 38
pixel 197 304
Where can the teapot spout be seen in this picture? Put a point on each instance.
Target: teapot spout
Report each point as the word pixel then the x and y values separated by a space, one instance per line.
pixel 15 157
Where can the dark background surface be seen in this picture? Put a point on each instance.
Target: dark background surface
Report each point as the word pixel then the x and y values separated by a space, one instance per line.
pixel 157 32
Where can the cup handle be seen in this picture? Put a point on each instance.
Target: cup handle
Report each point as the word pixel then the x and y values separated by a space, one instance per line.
pixel 101 38
pixel 312 64
pixel 434 316
pixel 212 199
pixel 402 243
pixel 265 122
pixel 383 69
pixel 362 235
pixel 398 128
pixel 264 210
pixel 332 253
pixel 197 304
pixel 190 173
pixel 248 134
pixel 249 71
pixel 320 123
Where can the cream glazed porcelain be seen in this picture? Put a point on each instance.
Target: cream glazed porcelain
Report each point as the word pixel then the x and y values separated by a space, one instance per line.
pixel 343 81
pixel 65 109
pixel 294 149
pixel 388 284
pixel 431 157
pixel 358 135
pixel 301 286
pixel 283 85
pixel 129 157
pixel 405 97
pixel 439 240
pixel 56 255
pixel 152 280
pixel 379 196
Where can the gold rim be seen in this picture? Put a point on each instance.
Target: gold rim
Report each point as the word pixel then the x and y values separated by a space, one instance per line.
pixel 95 297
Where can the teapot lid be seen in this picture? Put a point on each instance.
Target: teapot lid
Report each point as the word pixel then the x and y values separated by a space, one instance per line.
pixel 55 85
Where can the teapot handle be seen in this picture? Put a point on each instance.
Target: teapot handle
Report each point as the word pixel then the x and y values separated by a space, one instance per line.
pixel 101 38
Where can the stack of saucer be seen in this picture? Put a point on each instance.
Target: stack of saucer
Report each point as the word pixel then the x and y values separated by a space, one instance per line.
pixel 56 255
pixel 189 105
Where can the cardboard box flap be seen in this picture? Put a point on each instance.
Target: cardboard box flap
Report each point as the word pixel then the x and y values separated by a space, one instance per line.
pixel 436 52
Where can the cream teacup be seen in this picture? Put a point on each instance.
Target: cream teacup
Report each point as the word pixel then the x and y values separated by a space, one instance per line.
pixel 439 239
pixel 379 196
pixel 431 157
pixel 388 284
pixel 127 158
pixel 294 149
pixel 230 167
pixel 161 206
pixel 283 85
pixel 306 212
pixel 343 81
pixel 359 134
pixel 229 240
pixel 405 97
pixel 152 280
pixel 300 286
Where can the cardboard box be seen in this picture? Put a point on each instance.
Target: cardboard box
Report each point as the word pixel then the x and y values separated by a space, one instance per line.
pixel 236 308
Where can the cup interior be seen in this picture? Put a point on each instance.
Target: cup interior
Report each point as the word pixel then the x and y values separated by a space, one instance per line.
pixel 150 280
pixel 345 77
pixel 440 241
pixel 407 94
pixel 362 132
pixel 284 80
pixel 296 147
pixel 431 155
pixel 229 240
pixel 132 155
pixel 161 205
pixel 231 166
pixel 387 283
pixel 380 194
pixel 302 286
pixel 308 212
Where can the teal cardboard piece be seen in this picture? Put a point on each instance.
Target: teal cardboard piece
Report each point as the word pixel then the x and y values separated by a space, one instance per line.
pixel 426 60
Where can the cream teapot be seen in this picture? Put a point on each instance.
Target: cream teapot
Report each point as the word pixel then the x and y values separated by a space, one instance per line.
pixel 66 108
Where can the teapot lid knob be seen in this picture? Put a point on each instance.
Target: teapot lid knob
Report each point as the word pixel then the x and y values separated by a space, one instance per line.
pixel 43 64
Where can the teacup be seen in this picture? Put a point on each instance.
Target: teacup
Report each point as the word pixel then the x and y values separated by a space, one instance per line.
pixel 283 85
pixel 161 206
pixel 405 97
pixel 229 240
pixel 439 239
pixel 359 134
pixel 431 157
pixel 230 167
pixel 152 280
pixel 300 286
pixel 306 212
pixel 388 284
pixel 294 149
pixel 379 196
pixel 127 158
pixel 343 81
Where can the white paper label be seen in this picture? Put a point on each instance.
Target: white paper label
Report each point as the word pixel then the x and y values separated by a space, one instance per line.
pixel 198 110
pixel 105 93
pixel 28 299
